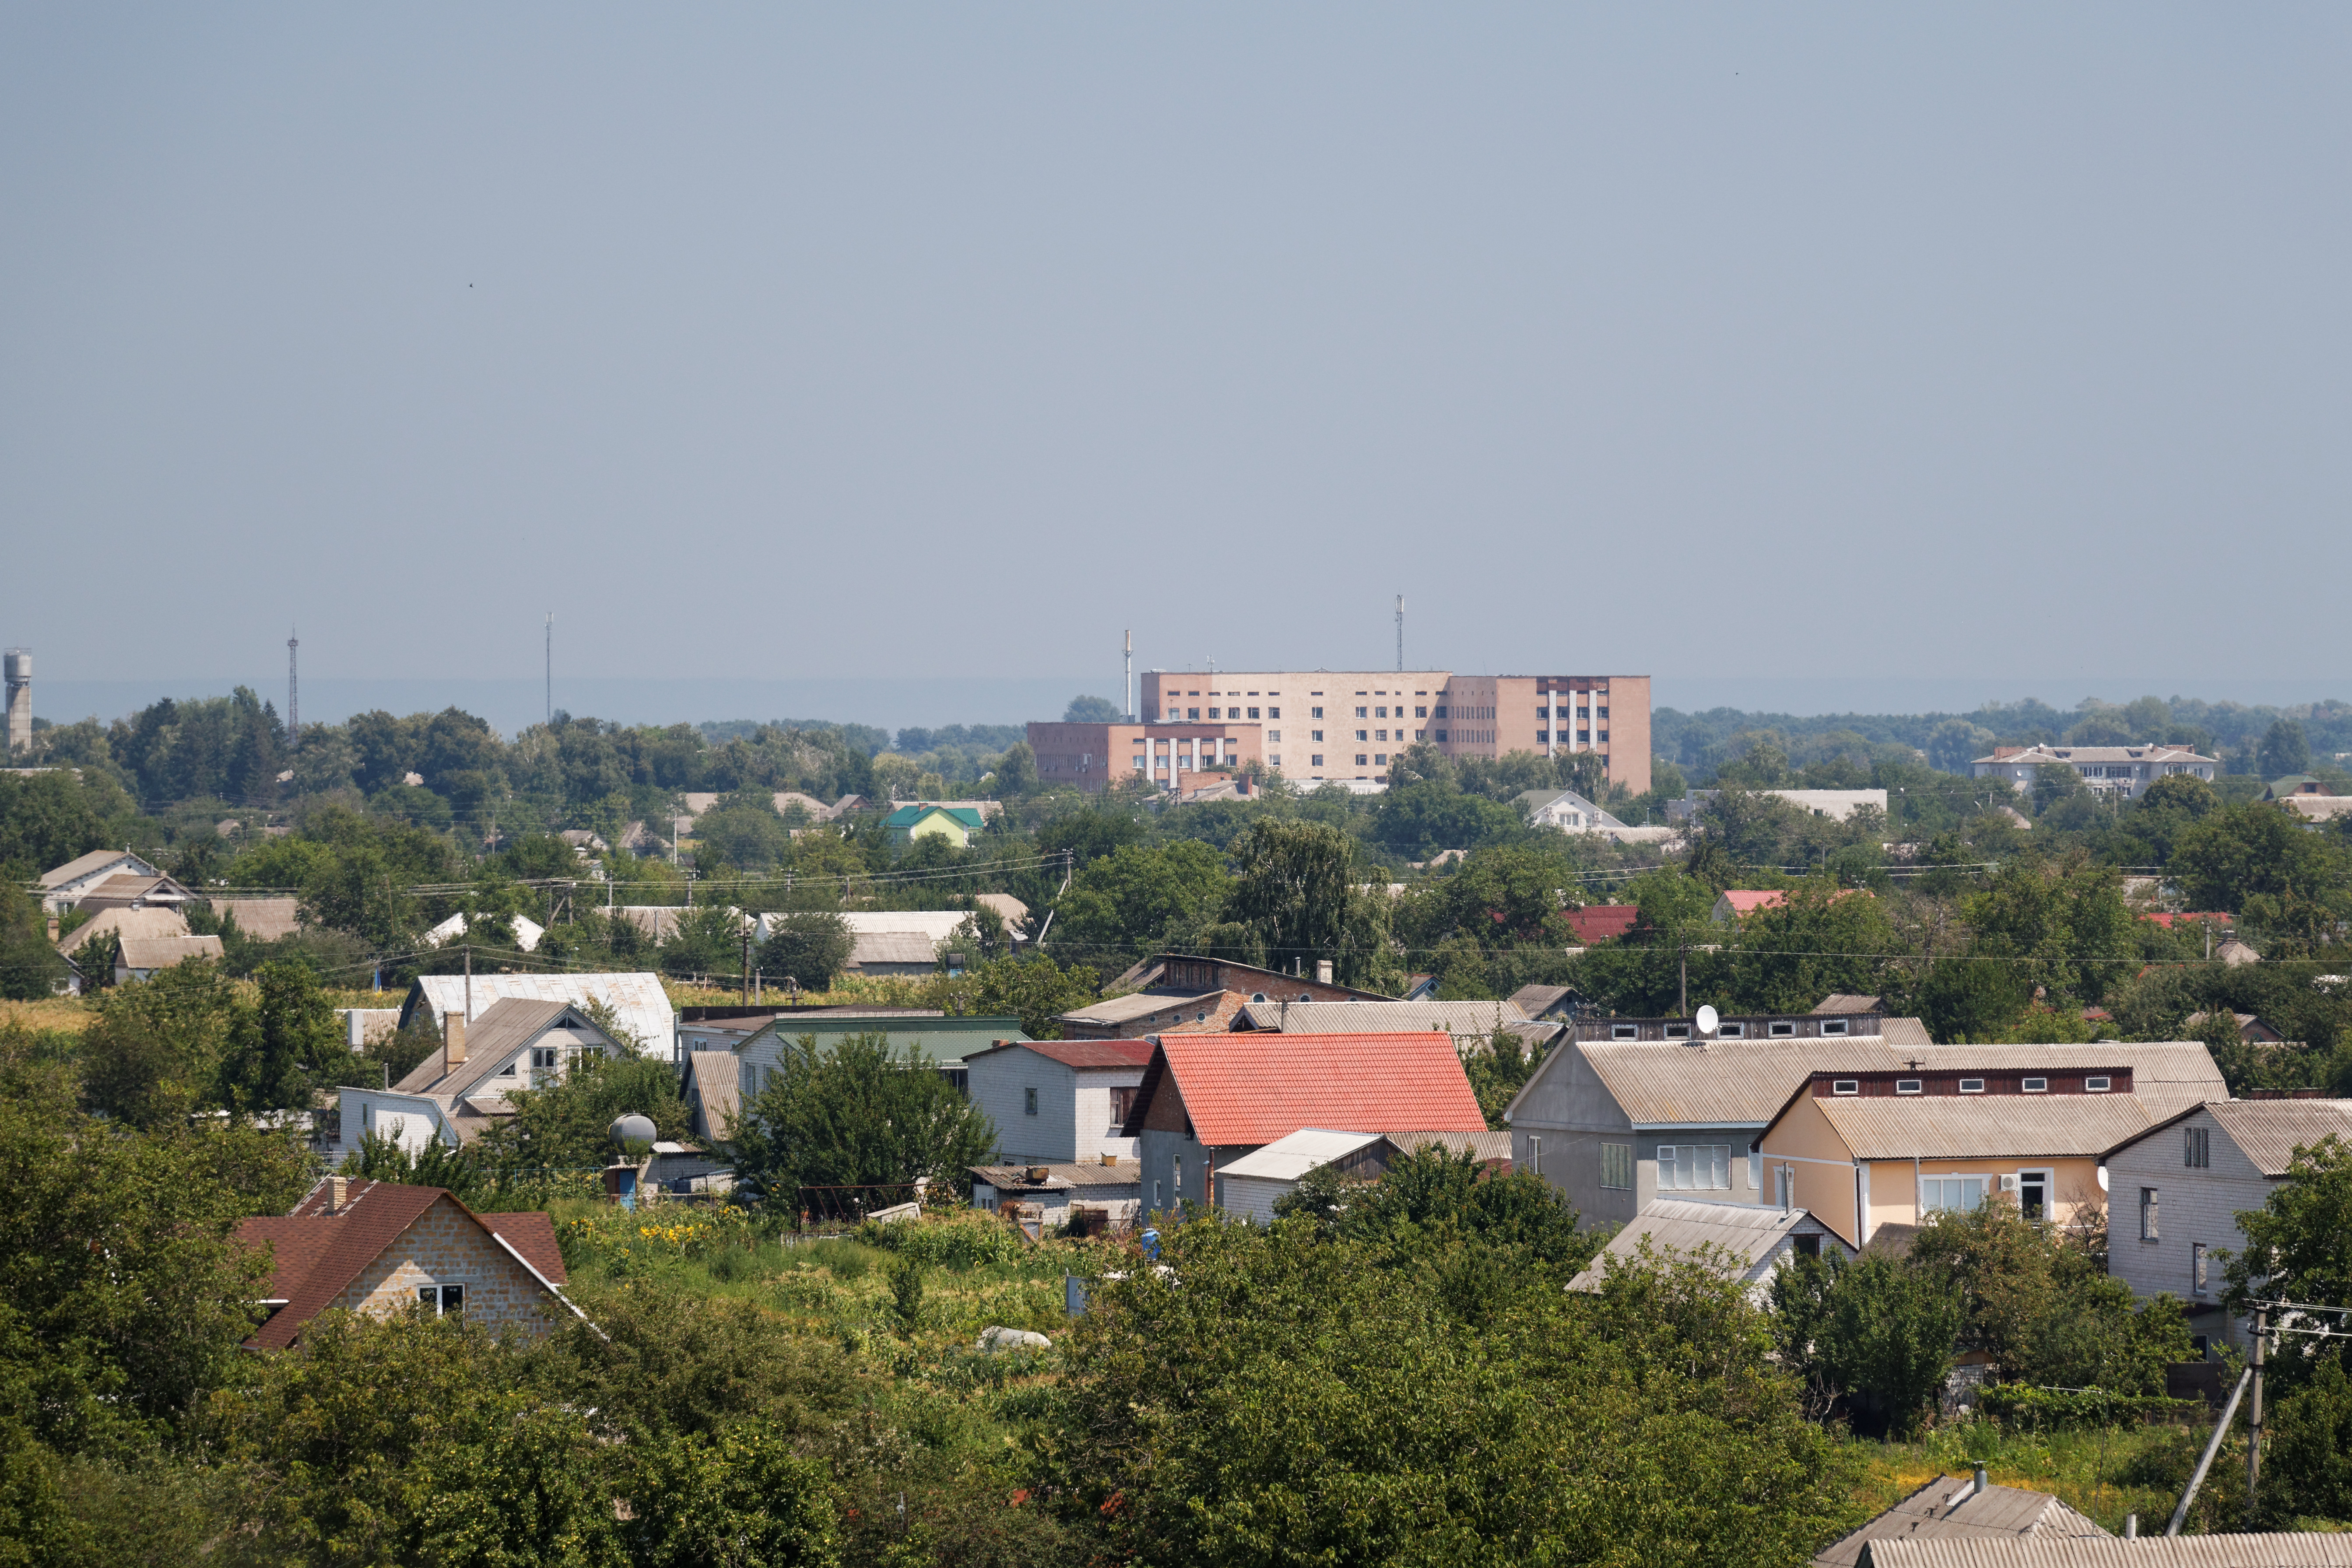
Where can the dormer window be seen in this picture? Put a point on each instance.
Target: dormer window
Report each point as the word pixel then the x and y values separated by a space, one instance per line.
pixel 1971 1085
pixel 1678 1031
pixel 1781 1030
pixel 1908 1086
pixel 2094 1085
pixel 1846 1085
pixel 1624 1031
pixel 1833 1026
pixel 1731 1032
pixel 543 1057
pixel 2036 1086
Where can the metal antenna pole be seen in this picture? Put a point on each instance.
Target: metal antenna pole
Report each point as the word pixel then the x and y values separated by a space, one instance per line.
pixel 551 667
pixel 293 694
pixel 1130 677
pixel 2254 1415
pixel 1400 634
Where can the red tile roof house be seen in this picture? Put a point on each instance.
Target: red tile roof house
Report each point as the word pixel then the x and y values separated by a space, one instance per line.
pixel 1208 1100
pixel 381 1248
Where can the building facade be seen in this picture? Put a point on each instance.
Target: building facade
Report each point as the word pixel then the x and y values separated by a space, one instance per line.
pixel 2126 770
pixel 1063 1101
pixel 1349 724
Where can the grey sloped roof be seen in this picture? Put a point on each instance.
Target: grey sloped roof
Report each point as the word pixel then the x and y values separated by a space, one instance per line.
pixel 2270 1130
pixel 2004 1126
pixel 1749 1232
pixel 162 952
pixel 266 918
pixel 1744 1083
pixel 97 860
pixel 497 1032
pixel 640 1004
pixel 1950 1508
pixel 714 1084
pixel 1480 1146
pixel 2312 1550
pixel 1457 1018
pixel 1141 1004
pixel 134 924
pixel 893 947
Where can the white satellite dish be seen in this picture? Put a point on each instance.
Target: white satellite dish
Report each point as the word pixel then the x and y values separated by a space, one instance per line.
pixel 1706 1020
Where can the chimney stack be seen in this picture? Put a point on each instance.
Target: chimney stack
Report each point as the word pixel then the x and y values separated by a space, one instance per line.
pixel 1981 1478
pixel 453 1040
pixel 339 1193
pixel 1322 972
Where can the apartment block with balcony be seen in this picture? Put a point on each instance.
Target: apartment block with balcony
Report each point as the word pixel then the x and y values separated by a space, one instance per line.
pixel 2126 770
pixel 1092 756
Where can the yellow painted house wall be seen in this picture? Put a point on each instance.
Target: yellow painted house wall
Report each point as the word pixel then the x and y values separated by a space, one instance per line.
pixel 1804 1140
pixel 938 825
pixel 445 1247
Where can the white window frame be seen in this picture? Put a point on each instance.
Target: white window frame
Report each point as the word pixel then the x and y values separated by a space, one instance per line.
pixel 1781 1030
pixel 2151 1216
pixel 1535 1154
pixel 1833 1026
pixel 2035 1085
pixel 1731 1031
pixel 1617 1161
pixel 1624 1031
pixel 1985 1184
pixel 1910 1086
pixel 2096 1085
pixel 1973 1086
pixel 439 1293
pixel 1845 1085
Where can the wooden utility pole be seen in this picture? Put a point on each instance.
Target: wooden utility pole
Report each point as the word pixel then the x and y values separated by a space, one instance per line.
pixel 2254 1419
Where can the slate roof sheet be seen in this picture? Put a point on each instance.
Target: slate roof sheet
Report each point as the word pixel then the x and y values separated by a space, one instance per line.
pixel 496 1033
pixel 715 1080
pixel 1289 1157
pixel 2282 1550
pixel 1744 1083
pixel 1463 1018
pixel 266 918
pixel 1949 1508
pixel 1747 1231
pixel 1080 1181
pixel 155 921
pixel 1481 1146
pixel 1142 1004
pixel 1996 1127
pixel 1248 1088
pixel 892 947
pixel 81 865
pixel 2269 1131
pixel 162 952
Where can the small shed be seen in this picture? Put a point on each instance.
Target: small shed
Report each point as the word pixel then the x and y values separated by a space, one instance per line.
pixel 1247 1188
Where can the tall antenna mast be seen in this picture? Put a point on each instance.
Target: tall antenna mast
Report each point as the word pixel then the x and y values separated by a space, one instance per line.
pixel 1400 634
pixel 293 694
pixel 1130 677
pixel 551 667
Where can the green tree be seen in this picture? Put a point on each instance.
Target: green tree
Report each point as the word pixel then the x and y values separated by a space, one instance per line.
pixel 2067 921
pixel 861 1114
pixel 29 967
pixel 740 1499
pixel 284 1047
pixel 1139 899
pixel 567 1124
pixel 812 946
pixel 2308 1469
pixel 2284 750
pixel 1031 987
pixel 1016 771
pixel 2299 1244
pixel 154 1053
pixel 1820 939
pixel 1873 1330
pixel 1297 894
pixel 1090 709
pixel 2257 860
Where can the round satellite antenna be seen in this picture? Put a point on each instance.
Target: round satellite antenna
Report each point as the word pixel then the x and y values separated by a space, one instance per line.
pixel 1706 1020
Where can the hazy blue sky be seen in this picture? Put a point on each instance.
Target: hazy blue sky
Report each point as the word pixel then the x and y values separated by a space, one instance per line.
pixel 1952 344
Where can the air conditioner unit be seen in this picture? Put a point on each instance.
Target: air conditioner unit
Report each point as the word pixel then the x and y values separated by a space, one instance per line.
pixel 2009 1184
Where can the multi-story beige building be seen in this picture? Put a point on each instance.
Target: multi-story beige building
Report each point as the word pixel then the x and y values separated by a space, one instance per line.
pixel 1325 724
pixel 1092 756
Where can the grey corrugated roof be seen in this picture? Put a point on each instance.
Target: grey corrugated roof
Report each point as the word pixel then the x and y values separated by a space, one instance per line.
pixel 266 918
pixel 1744 1083
pixel 1013 1179
pixel 1949 1508
pixel 893 947
pixel 1481 1146
pixel 2269 1131
pixel 715 1081
pixel 1533 1000
pixel 1747 1231
pixel 1996 1127
pixel 1142 1004
pixel 497 1032
pixel 81 865
pixel 1843 1002
pixel 156 920
pixel 2313 1551
pixel 1457 1018
pixel 162 952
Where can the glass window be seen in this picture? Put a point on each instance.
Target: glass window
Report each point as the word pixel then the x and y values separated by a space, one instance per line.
pixel 1971 1085
pixel 1379 759
pixel 1731 1032
pixel 1678 1031
pixel 1845 1085
pixel 1951 1193
pixel 1315 713
pixel 2095 1086
pixel 1195 712
pixel 1624 1031
pixel 2197 1150
pixel 1694 1167
pixel 1754 1169
pixel 1363 734
pixel 1908 1086
pixel 1212 712
pixel 1380 713
pixel 1420 710
pixel 1380 734
pixel 1441 734
pixel 1833 1026
pixel 1440 711
pixel 1777 1029
pixel 2196 1267
pixel 2036 1086
pixel 1362 761
pixel 443 1299
pixel 1253 712
pixel 1317 760
pixel 1361 714
pixel 1535 1154
pixel 1029 1101
pixel 1617 1166
pixel 1122 1105
pixel 2147 1214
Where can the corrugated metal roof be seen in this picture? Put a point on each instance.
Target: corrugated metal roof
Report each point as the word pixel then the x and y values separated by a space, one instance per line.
pixel 2269 1131
pixel 498 1031
pixel 1744 1083
pixel 1843 1001
pixel 1247 1089
pixel 1997 1127
pixel 1949 1508
pixel 97 860
pixel 1142 1004
pixel 267 919
pixel 938 925
pixel 714 1087
pixel 893 947
pixel 1288 1158
pixel 155 921
pixel 1464 1019
pixel 1747 1231
pixel 1481 1146
pixel 162 952
pixel 1073 1177
pixel 638 1002
pixel 2313 1551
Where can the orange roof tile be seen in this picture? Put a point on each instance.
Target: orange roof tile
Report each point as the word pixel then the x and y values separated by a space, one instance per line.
pixel 1255 1088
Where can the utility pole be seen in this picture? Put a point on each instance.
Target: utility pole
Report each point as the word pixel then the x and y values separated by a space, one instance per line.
pixel 1400 634
pixel 2254 1420
pixel 1130 677
pixel 470 982
pixel 1682 965
pixel 551 667
pixel 293 695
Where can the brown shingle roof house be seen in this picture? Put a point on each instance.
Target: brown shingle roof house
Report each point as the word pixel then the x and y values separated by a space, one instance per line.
pixel 381 1248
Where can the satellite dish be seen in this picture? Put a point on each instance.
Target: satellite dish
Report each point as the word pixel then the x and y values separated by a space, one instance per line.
pixel 1706 1020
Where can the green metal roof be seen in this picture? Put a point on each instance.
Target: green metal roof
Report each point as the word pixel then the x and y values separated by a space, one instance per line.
pixel 908 815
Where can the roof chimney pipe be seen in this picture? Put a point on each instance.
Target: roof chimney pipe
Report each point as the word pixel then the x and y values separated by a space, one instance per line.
pixel 339 1193
pixel 452 1041
pixel 1981 1478
pixel 1322 972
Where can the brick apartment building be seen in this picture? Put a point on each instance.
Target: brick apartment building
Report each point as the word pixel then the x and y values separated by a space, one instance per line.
pixel 1313 726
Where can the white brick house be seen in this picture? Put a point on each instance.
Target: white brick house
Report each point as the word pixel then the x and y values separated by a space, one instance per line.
pixel 2174 1193
pixel 1059 1100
